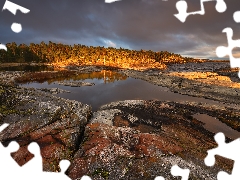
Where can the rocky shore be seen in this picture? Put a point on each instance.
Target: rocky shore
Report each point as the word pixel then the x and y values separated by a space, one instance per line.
pixel 132 139
pixel 141 140
pixel 191 87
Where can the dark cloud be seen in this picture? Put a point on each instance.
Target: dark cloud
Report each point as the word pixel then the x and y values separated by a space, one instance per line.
pixel 134 24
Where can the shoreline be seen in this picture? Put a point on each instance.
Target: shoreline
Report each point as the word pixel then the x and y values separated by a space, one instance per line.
pixel 139 137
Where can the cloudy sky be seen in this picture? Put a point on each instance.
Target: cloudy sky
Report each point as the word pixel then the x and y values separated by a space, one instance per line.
pixel 132 24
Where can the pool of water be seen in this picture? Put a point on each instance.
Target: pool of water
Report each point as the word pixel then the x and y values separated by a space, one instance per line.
pixel 212 124
pixel 111 86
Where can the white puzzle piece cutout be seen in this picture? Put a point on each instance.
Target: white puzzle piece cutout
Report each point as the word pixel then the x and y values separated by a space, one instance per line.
pixel 182 9
pixel 16 27
pixel 3 46
pixel 177 171
pixel 3 126
pixel 86 178
pixel 7 163
pixel 227 150
pixel 32 169
pixel 111 1
pixel 236 16
pixel 35 164
pixel 222 51
pixel 159 178
pixel 12 7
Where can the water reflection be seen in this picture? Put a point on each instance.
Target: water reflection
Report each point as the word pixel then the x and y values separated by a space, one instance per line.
pixel 212 124
pixel 105 76
pixel 94 77
pixel 112 86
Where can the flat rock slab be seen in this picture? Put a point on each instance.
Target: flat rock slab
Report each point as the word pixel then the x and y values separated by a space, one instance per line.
pixel 54 123
pixel 143 139
pixel 54 90
pixel 76 84
pixel 189 87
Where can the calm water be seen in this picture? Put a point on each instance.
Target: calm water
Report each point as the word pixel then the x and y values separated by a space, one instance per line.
pixel 111 86
pixel 212 124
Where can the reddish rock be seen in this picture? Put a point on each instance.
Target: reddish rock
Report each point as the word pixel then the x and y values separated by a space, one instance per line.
pixel 58 140
pixel 109 143
pixel 22 156
pixel 79 168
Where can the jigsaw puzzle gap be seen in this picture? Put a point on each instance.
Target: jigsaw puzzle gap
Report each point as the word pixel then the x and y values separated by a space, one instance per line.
pixel 64 165
pixel 17 28
pixel 86 178
pixel 5 125
pixel 159 178
pixel 177 171
pixel 111 1
pixel 227 150
pixel 32 169
pixel 12 7
pixel 236 16
pixel 182 6
pixel 222 51
pixel 3 46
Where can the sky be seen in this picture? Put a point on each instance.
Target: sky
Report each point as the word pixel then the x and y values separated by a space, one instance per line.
pixel 131 24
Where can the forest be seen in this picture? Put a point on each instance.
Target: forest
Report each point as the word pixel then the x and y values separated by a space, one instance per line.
pixel 61 54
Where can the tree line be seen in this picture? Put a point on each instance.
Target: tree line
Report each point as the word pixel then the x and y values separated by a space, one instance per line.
pixel 85 55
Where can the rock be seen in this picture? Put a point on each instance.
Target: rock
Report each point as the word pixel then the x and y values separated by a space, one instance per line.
pixel 54 123
pixel 132 139
pixel 142 140
pixel 7 77
pixel 76 84
pixel 107 147
pixel 104 116
pixel 225 91
pixel 54 90
pixel 198 67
